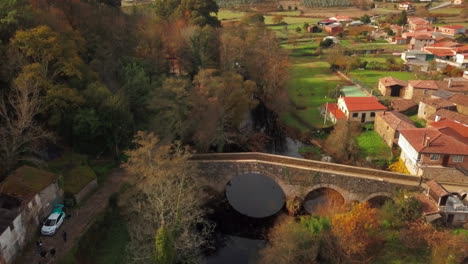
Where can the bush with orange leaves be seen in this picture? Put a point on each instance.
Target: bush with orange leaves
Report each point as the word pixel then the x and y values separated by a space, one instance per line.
pixel 357 229
pixel 445 247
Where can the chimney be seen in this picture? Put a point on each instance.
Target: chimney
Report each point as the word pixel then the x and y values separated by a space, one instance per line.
pixel 450 83
pixel 437 118
pixel 426 140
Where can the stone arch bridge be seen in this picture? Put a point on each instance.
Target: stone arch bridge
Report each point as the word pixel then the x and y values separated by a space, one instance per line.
pixel 299 177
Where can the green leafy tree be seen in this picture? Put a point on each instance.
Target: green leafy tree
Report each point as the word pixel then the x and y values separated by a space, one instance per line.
pixel 365 19
pixel 199 12
pixel 165 248
pixel 402 19
pixel 12 14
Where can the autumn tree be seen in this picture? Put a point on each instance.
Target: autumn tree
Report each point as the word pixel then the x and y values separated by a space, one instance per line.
pixel 356 230
pixel 163 204
pixel 20 133
pixel 221 102
pixel 341 142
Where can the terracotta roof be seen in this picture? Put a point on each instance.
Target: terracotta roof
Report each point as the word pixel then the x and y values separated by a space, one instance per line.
pixel 417 21
pixel 396 120
pixel 438 142
pixel 437 102
pixel 428 84
pixel 423 36
pixel 354 104
pixel 440 52
pixel 453 27
pixel 444 113
pixel 402 105
pixel 459 99
pixel 335 111
pixel 457 86
pixel 428 206
pixel 459 128
pixel 390 81
pixel 437 188
pixel 445 44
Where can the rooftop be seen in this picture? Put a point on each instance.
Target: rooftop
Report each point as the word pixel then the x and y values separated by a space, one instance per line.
pixel 335 111
pixel 442 94
pixel 437 142
pixel 396 120
pixel 363 104
pixel 459 99
pixel 428 84
pixel 444 113
pixel 453 27
pixel 402 105
pixel 457 127
pixel 438 189
pixel 437 102
pixel 390 81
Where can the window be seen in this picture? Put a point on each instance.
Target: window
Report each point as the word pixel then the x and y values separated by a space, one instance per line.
pixel 434 157
pixel 388 128
pixel 457 158
pixel 372 114
pixel 426 91
pixel 355 114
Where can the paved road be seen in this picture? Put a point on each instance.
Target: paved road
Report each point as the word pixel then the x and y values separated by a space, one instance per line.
pixel 75 226
pixel 441 5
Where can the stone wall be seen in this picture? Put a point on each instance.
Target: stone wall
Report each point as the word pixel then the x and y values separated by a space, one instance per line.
pixel 90 187
pixel 384 130
pixel 297 181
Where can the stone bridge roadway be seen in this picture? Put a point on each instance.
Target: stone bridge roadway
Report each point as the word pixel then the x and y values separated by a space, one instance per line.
pixel 299 177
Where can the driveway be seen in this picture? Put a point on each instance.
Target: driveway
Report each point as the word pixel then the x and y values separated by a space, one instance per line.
pixel 75 226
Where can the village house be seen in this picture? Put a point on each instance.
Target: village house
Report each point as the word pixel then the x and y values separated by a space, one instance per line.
pixel 417 58
pixel 396 40
pixel 417 23
pixel 23 207
pixel 443 94
pixel 389 86
pixel 429 106
pixel 359 109
pixel 421 41
pixel 438 203
pixel 388 124
pixel 405 6
pixel 341 19
pixel 419 89
pixel 452 30
pixel 461 102
pixel 333 29
pixel 326 22
pixel 439 152
pixel 447 114
pixel 458 2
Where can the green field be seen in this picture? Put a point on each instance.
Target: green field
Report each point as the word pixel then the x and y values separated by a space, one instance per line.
pixel 372 145
pixel 311 85
pixel 371 78
pixel 229 15
pixel 447 10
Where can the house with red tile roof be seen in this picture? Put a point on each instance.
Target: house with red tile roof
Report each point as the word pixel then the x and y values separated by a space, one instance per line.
pixel 390 86
pixel 388 125
pixel 444 113
pixel 419 89
pixel 405 6
pixel 417 23
pixel 341 18
pixel 452 30
pixel 460 128
pixel 428 106
pixel 361 109
pixel 420 41
pixel 424 150
pixel 461 101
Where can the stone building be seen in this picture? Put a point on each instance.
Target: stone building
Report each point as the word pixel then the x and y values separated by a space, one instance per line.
pixel 419 89
pixel 389 86
pixel 28 196
pixel 360 109
pixel 429 106
pixel 388 124
pixel 461 102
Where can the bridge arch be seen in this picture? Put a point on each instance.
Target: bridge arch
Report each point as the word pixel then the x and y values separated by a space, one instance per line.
pixel 344 193
pixel 377 199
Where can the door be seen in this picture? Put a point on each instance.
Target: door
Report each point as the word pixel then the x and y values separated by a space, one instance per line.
pixel 363 117
pixel 445 160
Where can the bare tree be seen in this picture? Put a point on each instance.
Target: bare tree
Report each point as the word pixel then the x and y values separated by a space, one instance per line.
pixel 20 133
pixel 164 205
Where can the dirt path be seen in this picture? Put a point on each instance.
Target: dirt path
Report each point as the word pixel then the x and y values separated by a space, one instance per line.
pixel 75 226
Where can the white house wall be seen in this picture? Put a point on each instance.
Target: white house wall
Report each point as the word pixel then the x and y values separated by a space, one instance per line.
pixel 408 154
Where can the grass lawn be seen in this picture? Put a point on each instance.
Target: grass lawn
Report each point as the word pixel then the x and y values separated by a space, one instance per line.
pixel 371 78
pixel 293 20
pixel 77 178
pixel 224 14
pixel 311 85
pixel 418 122
pixel 372 145
pixel 447 10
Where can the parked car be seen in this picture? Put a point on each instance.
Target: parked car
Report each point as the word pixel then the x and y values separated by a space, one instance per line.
pixel 54 221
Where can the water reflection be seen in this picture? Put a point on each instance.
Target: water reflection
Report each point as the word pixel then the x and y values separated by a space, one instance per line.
pixel 255 195
pixel 237 250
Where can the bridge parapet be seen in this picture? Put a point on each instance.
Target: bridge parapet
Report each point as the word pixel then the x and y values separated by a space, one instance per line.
pixel 298 177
